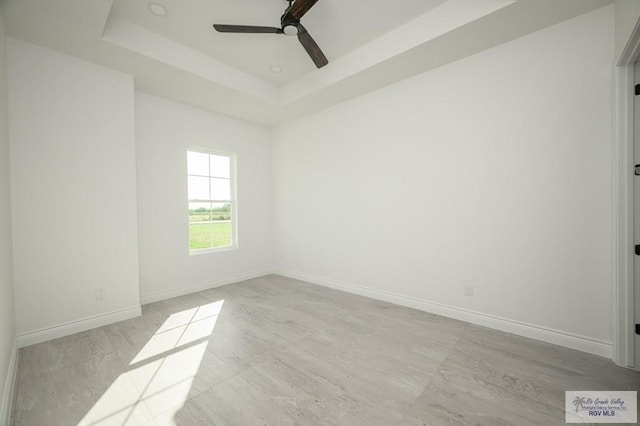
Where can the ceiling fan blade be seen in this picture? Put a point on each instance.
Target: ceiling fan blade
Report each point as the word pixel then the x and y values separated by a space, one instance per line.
pixel 299 8
pixel 311 47
pixel 247 29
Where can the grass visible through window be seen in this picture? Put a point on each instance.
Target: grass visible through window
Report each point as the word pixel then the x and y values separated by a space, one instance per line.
pixel 208 235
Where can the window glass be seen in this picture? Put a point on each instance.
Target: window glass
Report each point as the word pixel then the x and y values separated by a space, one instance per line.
pixel 211 201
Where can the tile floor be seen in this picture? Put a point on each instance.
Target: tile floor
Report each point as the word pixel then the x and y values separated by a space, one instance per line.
pixel 276 351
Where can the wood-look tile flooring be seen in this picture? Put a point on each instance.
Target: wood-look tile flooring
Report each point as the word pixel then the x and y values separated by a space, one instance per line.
pixel 276 351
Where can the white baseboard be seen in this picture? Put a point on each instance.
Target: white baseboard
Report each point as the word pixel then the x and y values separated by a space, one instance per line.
pixel 49 333
pixel 6 404
pixel 556 337
pixel 157 296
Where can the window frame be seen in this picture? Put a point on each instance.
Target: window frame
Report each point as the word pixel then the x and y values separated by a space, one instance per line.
pixel 233 158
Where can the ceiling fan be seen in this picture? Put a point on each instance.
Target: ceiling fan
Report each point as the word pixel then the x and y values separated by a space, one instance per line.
pixel 290 25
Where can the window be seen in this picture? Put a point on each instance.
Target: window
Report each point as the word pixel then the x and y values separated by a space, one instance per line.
pixel 211 200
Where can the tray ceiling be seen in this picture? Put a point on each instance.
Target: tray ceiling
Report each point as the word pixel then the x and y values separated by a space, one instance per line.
pixel 369 43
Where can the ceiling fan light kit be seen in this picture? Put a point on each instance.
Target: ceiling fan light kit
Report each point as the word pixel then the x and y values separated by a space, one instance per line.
pixel 289 25
pixel 290 30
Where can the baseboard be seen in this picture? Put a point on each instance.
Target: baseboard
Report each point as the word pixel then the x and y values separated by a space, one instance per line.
pixel 44 334
pixel 6 404
pixel 556 337
pixel 157 296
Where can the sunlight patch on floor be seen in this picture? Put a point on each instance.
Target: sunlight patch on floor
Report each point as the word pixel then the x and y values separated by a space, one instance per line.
pixel 162 374
pixel 119 405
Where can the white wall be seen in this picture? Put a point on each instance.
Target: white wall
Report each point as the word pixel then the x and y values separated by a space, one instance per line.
pixel 494 171
pixel 7 325
pixel 627 15
pixel 73 188
pixel 164 132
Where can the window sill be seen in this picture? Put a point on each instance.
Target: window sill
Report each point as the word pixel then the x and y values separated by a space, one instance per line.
pixel 211 250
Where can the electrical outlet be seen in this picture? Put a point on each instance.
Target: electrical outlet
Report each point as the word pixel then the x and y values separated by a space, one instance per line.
pixel 468 290
pixel 99 293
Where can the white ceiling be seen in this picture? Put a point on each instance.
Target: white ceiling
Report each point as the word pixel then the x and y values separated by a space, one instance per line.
pixel 338 26
pixel 369 43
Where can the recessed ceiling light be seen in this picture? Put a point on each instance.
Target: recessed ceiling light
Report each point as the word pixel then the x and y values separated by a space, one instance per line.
pixel 158 9
pixel 276 69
